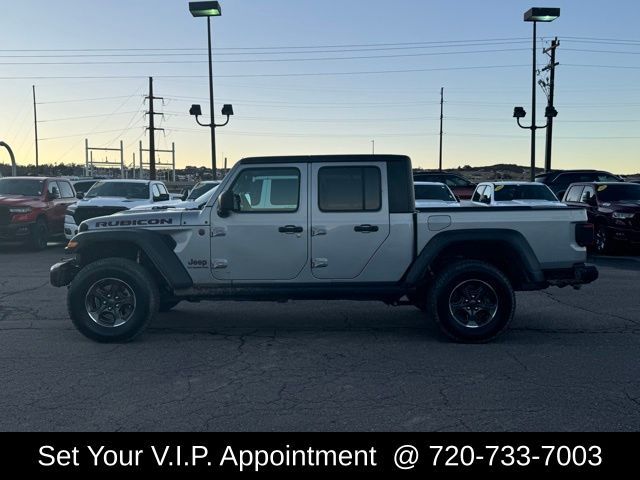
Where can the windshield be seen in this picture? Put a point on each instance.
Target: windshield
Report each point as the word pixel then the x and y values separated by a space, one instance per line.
pixel 119 189
pixel 200 189
pixel 455 181
pixel 20 186
pixel 433 192
pixel 83 187
pixel 505 193
pixel 618 192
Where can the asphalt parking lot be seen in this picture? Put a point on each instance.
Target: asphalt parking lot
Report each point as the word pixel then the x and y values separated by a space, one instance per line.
pixel 571 361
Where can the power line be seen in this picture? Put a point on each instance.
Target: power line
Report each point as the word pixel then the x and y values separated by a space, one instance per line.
pixel 262 60
pixel 440 42
pixel 84 99
pixel 64 119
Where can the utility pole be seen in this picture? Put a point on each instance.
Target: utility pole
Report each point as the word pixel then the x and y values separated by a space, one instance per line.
pixel 550 85
pixel 373 147
pixel 441 119
pixel 35 124
pixel 152 130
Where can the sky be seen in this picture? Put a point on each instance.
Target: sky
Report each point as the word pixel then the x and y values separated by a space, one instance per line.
pixel 309 77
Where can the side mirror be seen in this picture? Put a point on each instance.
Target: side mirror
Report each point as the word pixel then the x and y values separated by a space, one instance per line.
pixel 225 204
pixel 79 195
pixel 592 201
pixel 163 197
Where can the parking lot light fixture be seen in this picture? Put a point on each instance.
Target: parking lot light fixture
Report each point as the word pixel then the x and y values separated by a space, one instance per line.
pixel 535 15
pixel 208 10
pixel 205 9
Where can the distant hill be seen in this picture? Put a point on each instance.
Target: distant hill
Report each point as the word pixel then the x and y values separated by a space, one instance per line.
pixel 503 171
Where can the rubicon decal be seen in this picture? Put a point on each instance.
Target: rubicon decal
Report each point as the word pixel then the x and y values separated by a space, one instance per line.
pixel 135 223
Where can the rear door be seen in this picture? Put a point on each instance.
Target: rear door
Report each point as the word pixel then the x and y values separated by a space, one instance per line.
pixel 266 236
pixel 349 217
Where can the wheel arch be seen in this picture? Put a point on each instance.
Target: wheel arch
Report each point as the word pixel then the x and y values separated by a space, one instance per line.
pixel 151 249
pixel 506 249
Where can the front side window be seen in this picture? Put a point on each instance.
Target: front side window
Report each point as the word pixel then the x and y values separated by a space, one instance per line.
pixel 53 189
pixel 587 194
pixel 267 190
pixel 477 196
pixel 349 189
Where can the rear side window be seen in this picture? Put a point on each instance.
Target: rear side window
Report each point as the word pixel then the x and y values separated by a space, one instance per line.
pixel 65 189
pixel 574 193
pixel 349 189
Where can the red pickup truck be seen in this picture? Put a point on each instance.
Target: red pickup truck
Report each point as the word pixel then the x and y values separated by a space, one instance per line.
pixel 32 208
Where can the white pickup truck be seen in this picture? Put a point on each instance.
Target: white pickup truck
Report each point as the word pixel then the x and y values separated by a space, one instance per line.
pixel 322 227
pixel 106 197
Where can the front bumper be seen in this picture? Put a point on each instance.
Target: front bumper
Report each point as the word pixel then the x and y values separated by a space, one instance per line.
pixel 62 273
pixel 15 231
pixel 580 274
pixel 624 234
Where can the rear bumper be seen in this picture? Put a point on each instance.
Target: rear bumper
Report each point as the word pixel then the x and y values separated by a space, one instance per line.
pixel 61 274
pixel 580 274
pixel 15 231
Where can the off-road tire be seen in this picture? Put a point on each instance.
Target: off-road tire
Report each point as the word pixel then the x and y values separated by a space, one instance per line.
pixel 456 276
pixel 134 275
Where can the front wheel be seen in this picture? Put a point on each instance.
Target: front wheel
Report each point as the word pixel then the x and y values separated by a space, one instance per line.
pixel 473 301
pixel 39 235
pixel 112 300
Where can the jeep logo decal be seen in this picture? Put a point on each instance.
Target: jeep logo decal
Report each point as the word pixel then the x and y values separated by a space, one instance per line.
pixel 195 263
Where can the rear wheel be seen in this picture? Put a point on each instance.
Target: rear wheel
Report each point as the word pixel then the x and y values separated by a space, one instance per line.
pixel 112 300
pixel 472 301
pixel 39 235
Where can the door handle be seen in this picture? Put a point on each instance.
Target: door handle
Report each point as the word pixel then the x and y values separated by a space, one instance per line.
pixel 366 228
pixel 290 229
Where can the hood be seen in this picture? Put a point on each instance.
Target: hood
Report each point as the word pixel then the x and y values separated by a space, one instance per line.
pixel 622 205
pixel 171 204
pixel 20 201
pixel 113 202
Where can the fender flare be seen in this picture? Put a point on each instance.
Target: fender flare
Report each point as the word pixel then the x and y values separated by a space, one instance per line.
pixel 516 244
pixel 154 245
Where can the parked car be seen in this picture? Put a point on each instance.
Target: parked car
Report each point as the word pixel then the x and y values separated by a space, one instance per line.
pixel 192 204
pixel 559 180
pixel 32 209
pixel 82 186
pixel 505 194
pixel 433 194
pixel 460 186
pixel 106 197
pixel 614 209
pixel 323 228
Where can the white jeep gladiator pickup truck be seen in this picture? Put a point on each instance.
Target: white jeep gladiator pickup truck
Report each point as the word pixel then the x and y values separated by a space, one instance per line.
pixel 321 227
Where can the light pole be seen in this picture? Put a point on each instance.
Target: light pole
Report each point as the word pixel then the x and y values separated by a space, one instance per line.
pixel 209 9
pixel 12 156
pixel 535 15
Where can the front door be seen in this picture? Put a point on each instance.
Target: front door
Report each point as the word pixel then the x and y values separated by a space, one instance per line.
pixel 265 237
pixel 350 217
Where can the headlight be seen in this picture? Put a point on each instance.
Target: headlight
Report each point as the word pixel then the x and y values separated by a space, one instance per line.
pixel 20 210
pixel 622 215
pixel 69 219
